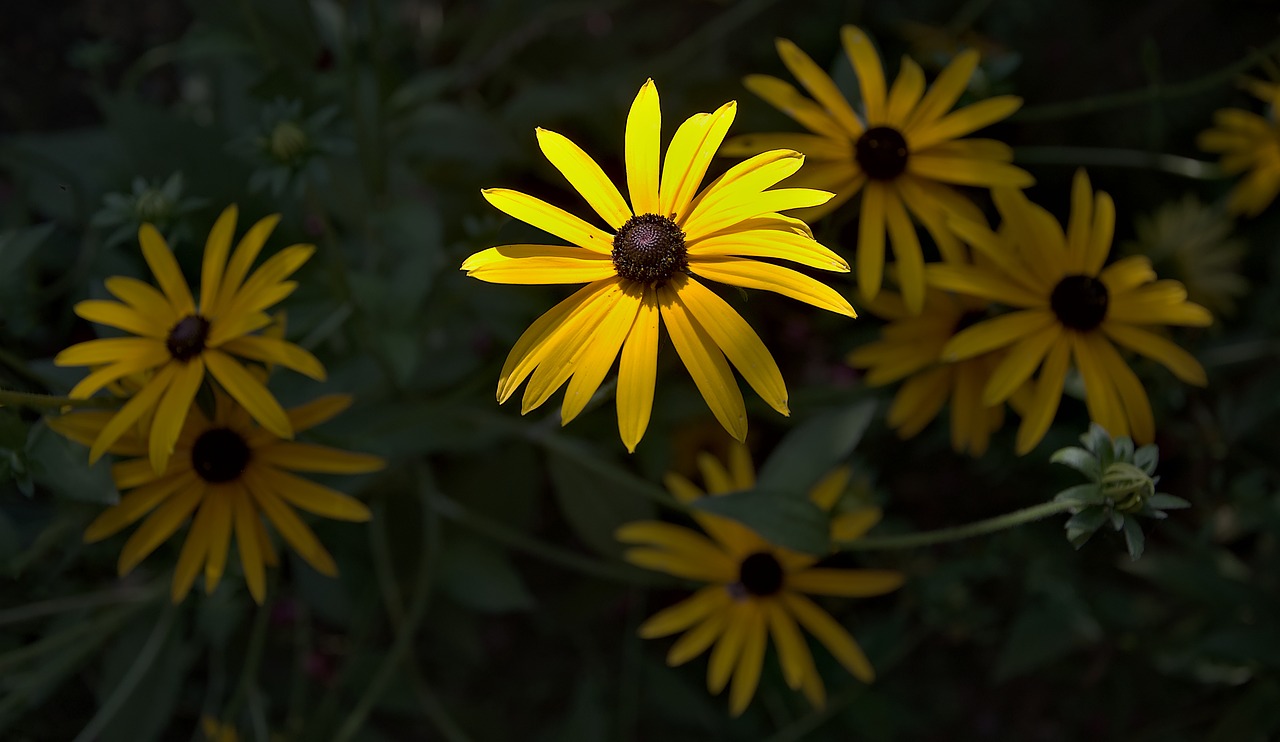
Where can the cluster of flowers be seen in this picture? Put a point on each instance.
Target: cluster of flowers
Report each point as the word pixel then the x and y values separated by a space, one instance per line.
pixel 225 456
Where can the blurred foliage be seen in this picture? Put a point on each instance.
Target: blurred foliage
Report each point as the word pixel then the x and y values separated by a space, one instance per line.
pixel 486 601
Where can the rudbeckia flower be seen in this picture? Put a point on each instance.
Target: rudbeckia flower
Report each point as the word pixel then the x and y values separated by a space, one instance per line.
pixel 755 589
pixel 1070 310
pixel 904 153
pixel 229 473
pixel 177 342
pixel 910 347
pixel 1248 141
pixel 648 269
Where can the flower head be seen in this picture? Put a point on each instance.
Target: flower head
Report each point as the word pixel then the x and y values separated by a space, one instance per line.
pixel 177 342
pixel 1070 310
pixel 646 271
pixel 290 149
pixel 910 347
pixel 755 589
pixel 229 473
pixel 1248 141
pixel 160 204
pixel 904 153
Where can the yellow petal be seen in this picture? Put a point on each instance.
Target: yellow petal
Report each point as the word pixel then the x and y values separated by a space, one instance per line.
pixel 107 350
pixel 686 613
pixel 1019 363
pixel 831 634
pixel 307 416
pixel 735 338
pixel 144 298
pixel 969 172
pixel 854 525
pixel 262 289
pixel 550 219
pixel 296 533
pixel 218 533
pixel 682 542
pixel 1180 362
pixel 136 504
pixel 746 676
pixel 688 156
pixel 1080 222
pixel 965 120
pixel 122 316
pixel 845 583
pixel 784 97
pixel 152 358
pixel 676 564
pixel 309 457
pixel 740 469
pixel 724 656
pixel 313 498
pixel 276 351
pixel 1044 400
pixel 827 491
pixel 142 402
pixel 905 92
pixel 775 200
pixel 216 249
pixel 793 652
pixel 237 268
pixel 637 372
pixel 706 364
pixel 544 335
pixel 172 410
pixel 643 149
pixel 761 243
pixel 1104 224
pixel 820 86
pixel 945 91
pixel 585 176
pixel 866 65
pixel 159 526
pixel 1142 425
pixel 166 270
pixel 1127 274
pixel 871 231
pixel 558 362
pixel 742 182
pixel 247 523
pixel 1100 395
pixel 982 283
pixel 919 400
pixel 697 639
pixel 249 392
pixel 597 354
pixel 906 251
pixel 754 274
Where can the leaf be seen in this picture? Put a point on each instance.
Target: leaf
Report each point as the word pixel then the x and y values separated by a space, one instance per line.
pixel 592 511
pixel 1081 494
pixel 812 449
pixel 781 519
pixel 63 467
pixel 481 577
pixel 1161 501
pixel 1081 526
pixel 1146 458
pixel 1134 540
pixel 1098 440
pixel 16 245
pixel 1049 628
pixel 1078 459
pixel 13 432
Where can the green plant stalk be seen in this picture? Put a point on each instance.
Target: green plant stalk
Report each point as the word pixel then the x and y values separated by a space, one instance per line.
pixel 958 533
pixel 141 664
pixel 1186 167
pixel 252 659
pixel 10 398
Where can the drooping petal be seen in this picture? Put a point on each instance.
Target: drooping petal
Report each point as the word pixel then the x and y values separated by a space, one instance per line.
pixel 919 401
pixel 1040 411
pixel 546 332
pixel 997 332
pixel 141 402
pixel 172 410
pixel 585 176
pixel 746 676
pixel 218 503
pixel 247 524
pixel 1020 363
pixel 296 533
pixel 706 364
pixel 1133 396
pixel 699 638
pixel 159 526
pixel 831 634
pixel 793 652
pixel 871 230
pixel 154 357
pixel 597 355
pixel 136 504
pixel 575 335
pixel 1162 351
pixel 195 549
pixel 637 372
pixel 1100 394
pixel 314 498
pixel 906 251
pixel 724 656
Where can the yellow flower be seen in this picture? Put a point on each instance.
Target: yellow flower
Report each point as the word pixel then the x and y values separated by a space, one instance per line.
pixel 177 342
pixel 755 589
pixel 234 472
pixel 1070 311
pixel 911 346
pixel 215 732
pixel 904 153
pixel 1250 142
pixel 649 268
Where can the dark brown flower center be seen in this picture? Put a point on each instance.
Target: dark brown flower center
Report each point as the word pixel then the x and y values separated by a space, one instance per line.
pixel 187 338
pixel 760 574
pixel 220 455
pixel 1080 302
pixel 649 249
pixel 881 152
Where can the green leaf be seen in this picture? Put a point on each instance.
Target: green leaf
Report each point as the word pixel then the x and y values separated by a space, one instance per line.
pixel 592 511
pixel 779 518
pixel 1161 501
pixel 13 431
pixel 1134 540
pixel 1080 460
pixel 1082 494
pixel 481 577
pixel 1046 630
pixel 1081 526
pixel 1098 440
pixel 812 449
pixel 63 467
pixel 1146 458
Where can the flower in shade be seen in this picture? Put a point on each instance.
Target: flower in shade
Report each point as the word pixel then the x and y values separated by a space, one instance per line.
pixel 755 589
pixel 904 152
pixel 230 473
pixel 1248 141
pixel 648 269
pixel 176 342
pixel 1069 311
pixel 910 347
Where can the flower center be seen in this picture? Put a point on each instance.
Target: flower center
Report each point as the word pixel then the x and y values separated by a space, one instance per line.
pixel 186 339
pixel 881 152
pixel 760 574
pixel 219 455
pixel 1080 302
pixel 649 249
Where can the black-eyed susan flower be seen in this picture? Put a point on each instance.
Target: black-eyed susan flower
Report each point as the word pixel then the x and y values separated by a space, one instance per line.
pixel 755 589
pixel 1070 310
pixel 230 473
pixel 1248 141
pixel 177 343
pixel 646 271
pixel 904 153
pixel 910 347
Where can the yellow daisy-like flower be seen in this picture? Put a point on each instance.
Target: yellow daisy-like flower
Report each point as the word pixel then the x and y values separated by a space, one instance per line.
pixel 1070 311
pixel 646 272
pixel 756 589
pixel 905 153
pixel 177 343
pixel 1248 141
pixel 230 473
pixel 911 346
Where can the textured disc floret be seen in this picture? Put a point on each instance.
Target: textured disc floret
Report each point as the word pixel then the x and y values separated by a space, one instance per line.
pixel 219 455
pixel 187 338
pixel 881 152
pixel 649 249
pixel 1080 302
pixel 760 574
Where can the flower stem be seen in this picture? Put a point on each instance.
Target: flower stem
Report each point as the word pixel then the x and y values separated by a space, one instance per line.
pixel 10 398
pixel 1153 92
pixel 1186 167
pixel 958 533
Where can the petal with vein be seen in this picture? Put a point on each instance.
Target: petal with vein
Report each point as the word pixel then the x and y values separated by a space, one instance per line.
pixel 141 402
pixel 247 251
pixel 585 176
pixel 296 533
pixel 638 371
pixel 906 251
pixel 550 219
pixel 122 316
pixel 966 120
pixel 688 156
pixel 643 149
pixel 945 91
pixel 544 334
pixel 706 364
pixel 596 357
pixel 538 264
pixel 754 274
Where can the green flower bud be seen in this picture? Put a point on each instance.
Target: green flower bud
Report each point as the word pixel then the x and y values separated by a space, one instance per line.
pixel 1127 486
pixel 153 206
pixel 288 143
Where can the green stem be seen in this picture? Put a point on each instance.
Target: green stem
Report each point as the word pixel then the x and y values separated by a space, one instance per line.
pixel 1186 167
pixel 141 664
pixel 129 594
pixel 958 533
pixel 1154 92
pixel 584 457
pixel 10 398
pixel 252 660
